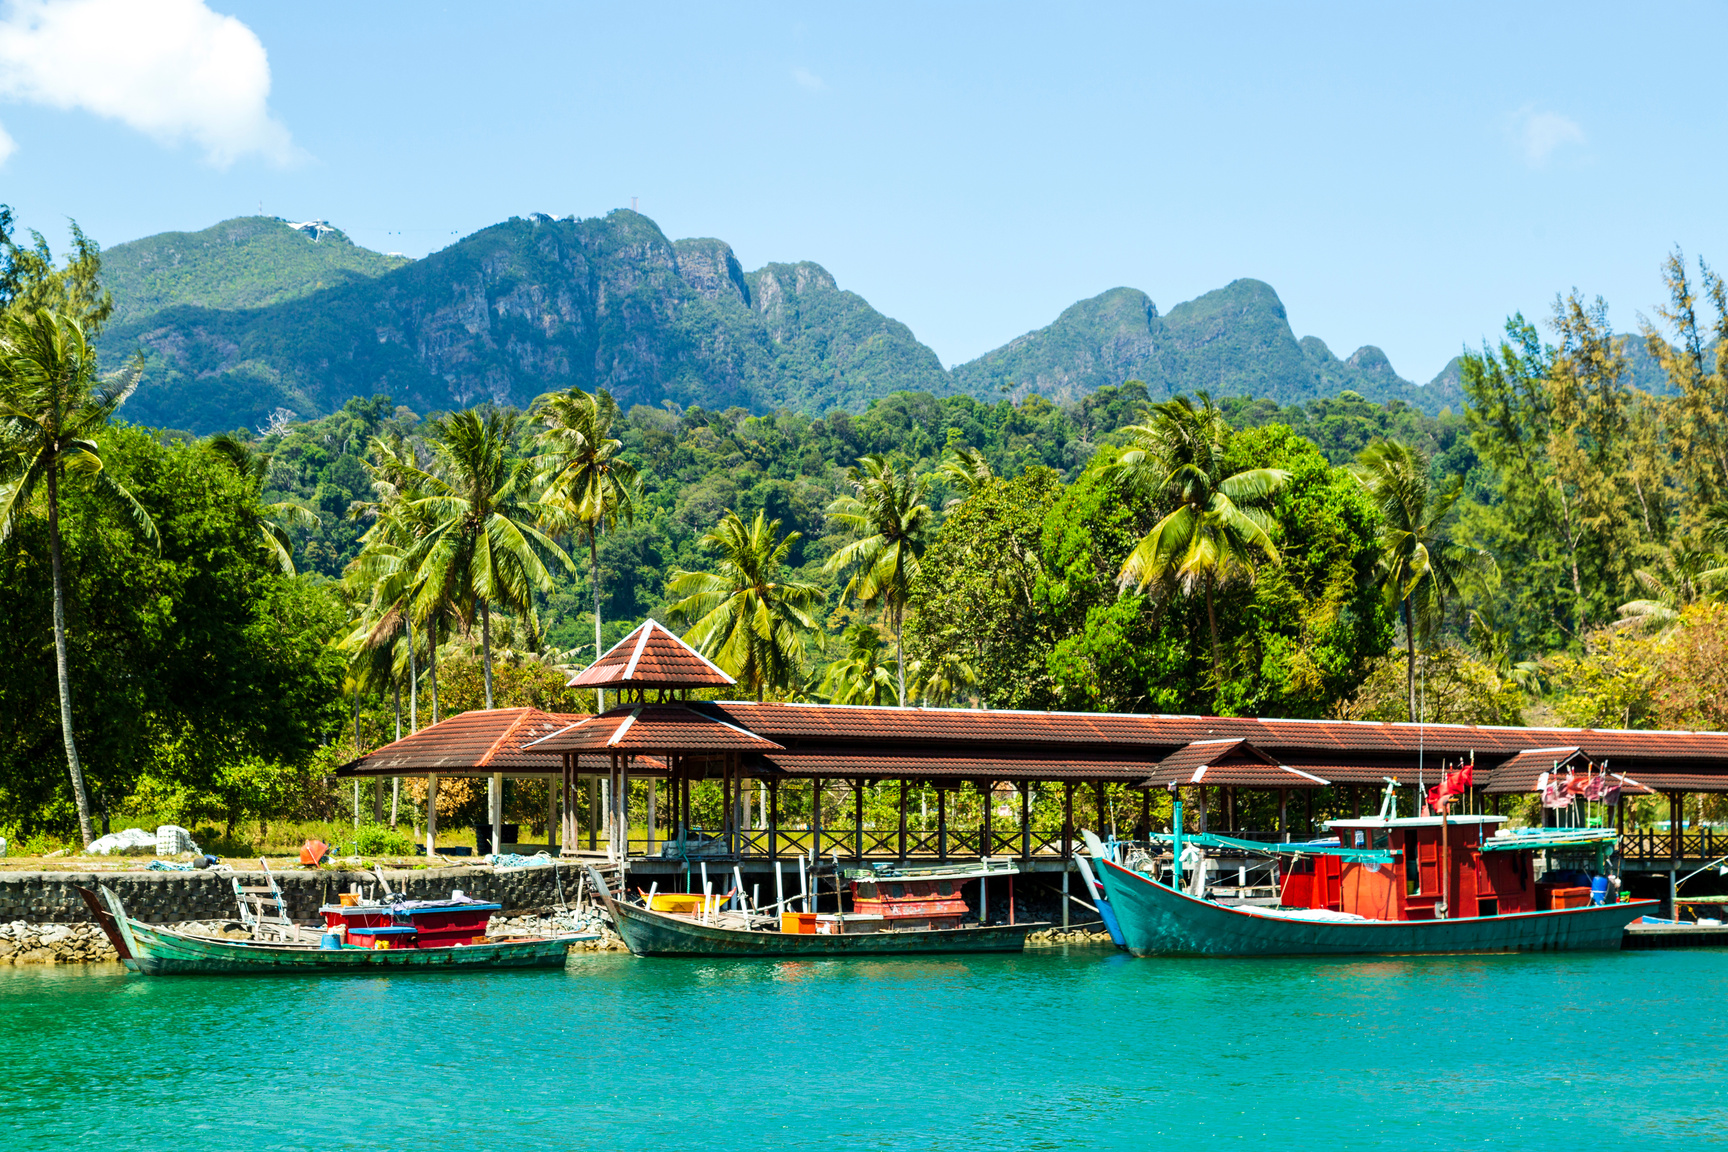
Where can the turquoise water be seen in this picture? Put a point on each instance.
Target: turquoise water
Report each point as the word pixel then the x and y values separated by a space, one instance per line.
pixel 1082 1049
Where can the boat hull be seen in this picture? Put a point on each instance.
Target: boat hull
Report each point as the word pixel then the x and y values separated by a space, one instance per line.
pixel 1157 920
pixel 160 952
pixel 657 934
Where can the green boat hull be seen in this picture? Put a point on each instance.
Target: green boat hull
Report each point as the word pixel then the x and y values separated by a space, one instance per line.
pixel 160 952
pixel 657 934
pixel 1157 920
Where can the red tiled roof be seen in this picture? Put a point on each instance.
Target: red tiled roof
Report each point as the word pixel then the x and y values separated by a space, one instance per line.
pixel 652 657
pixel 1301 743
pixel 1520 773
pixel 872 765
pixel 1233 761
pixel 1675 782
pixel 653 728
pixel 469 743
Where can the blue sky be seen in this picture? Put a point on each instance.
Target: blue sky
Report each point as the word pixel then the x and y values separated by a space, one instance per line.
pixel 1403 175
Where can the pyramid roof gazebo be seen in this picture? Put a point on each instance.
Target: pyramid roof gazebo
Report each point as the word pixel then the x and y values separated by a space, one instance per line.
pixel 651 657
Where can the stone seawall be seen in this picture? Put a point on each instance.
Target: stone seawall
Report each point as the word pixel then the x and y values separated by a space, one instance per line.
pixel 37 898
pixel 22 943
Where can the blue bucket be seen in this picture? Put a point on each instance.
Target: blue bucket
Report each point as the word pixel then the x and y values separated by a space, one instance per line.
pixel 330 942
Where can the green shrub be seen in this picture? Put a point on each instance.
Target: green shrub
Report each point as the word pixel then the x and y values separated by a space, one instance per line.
pixel 383 840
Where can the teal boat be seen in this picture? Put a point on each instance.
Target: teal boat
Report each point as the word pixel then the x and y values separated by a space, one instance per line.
pixel 1385 886
pixel 649 933
pixel 157 951
pixel 1158 920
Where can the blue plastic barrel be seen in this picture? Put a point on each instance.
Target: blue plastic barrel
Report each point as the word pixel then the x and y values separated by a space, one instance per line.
pixel 1599 890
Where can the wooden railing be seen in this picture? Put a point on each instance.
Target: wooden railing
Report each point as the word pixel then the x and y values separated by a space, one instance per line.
pixel 1646 847
pixel 871 843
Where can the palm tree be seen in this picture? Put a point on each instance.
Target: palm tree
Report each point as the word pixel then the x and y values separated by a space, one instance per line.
pixel 381 572
pixel 1682 575
pixel 1219 525
pixel 745 618
pixel 861 676
pixel 481 546
pixel 585 475
pixel 1420 571
pixel 967 472
pixel 52 407
pixel 274 519
pixel 938 678
pixel 888 513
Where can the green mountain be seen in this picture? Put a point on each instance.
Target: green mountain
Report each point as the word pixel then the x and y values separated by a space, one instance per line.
pixel 242 263
pixel 256 315
pixel 1233 341
pixel 517 309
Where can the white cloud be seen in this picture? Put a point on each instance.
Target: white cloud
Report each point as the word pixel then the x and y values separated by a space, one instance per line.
pixel 7 145
pixel 172 69
pixel 1539 134
pixel 807 80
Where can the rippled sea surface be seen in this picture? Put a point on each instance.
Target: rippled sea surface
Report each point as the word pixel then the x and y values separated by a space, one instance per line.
pixel 1084 1048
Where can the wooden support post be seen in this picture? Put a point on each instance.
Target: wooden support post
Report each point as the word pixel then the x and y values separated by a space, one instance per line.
pixel 988 789
pixel 1284 814
pixel 1025 830
pixel 431 815
pixel 1103 808
pixel 623 808
pixel 857 821
pixel 902 855
pixel 497 797
pixel 653 811
pixel 815 818
pixel 1067 824
pixel 552 814
pixel 726 812
pixel 593 811
pixel 941 824
pixel 774 827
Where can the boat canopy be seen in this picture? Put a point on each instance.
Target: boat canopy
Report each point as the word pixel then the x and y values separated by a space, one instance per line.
pixel 1301 848
pixel 1528 839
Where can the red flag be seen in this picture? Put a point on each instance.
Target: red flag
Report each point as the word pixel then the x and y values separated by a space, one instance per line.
pixel 1454 785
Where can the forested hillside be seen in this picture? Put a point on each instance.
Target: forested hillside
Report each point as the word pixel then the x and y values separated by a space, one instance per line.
pixel 251 316
pixel 244 611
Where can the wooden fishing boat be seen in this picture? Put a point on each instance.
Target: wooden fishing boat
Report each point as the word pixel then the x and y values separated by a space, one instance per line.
pixel 1387 886
pixel 865 933
pixel 158 951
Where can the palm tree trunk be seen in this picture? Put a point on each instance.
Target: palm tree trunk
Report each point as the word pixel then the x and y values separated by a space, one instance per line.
pixel 594 579
pixel 1410 658
pixel 486 649
pixel 1217 664
pixel 62 666
pixel 900 654
pixel 432 665
pixel 413 679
